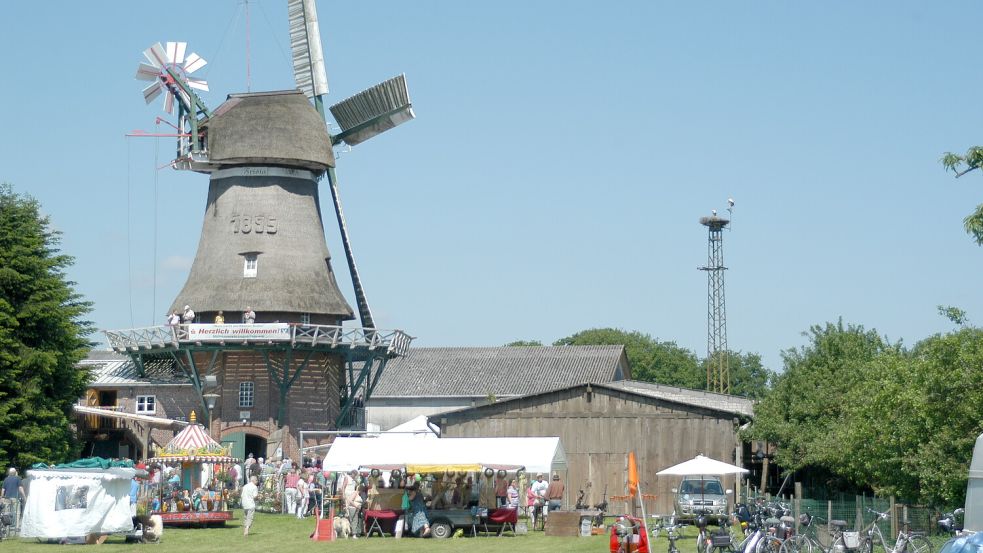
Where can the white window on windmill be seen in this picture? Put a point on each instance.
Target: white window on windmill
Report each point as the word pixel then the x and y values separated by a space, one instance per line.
pixel 305 318
pixel 247 394
pixel 147 404
pixel 250 265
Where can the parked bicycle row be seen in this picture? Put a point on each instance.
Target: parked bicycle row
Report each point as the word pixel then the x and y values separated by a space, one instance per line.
pixel 761 526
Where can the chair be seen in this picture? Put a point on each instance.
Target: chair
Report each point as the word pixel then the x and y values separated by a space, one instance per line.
pixel 505 519
pixel 374 521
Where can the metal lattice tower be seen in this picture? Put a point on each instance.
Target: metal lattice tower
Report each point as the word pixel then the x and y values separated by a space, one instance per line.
pixel 718 362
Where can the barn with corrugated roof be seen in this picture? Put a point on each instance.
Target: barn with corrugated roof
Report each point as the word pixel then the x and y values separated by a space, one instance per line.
pixel 434 380
pixel 600 423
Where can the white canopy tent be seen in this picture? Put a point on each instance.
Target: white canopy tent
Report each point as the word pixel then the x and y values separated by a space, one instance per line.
pixel 65 503
pixel 543 455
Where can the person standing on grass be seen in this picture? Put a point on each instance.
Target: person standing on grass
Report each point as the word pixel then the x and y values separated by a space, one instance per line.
pixel 513 495
pixel 539 491
pixel 291 492
pixel 501 490
pixel 302 496
pixel 419 521
pixel 554 495
pixel 248 499
pixel 12 493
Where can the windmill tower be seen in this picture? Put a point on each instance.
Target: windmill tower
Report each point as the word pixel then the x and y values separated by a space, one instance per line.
pixel 718 362
pixel 262 246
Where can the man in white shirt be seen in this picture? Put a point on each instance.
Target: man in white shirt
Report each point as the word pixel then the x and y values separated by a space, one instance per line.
pixel 539 490
pixel 248 500
pixel 189 315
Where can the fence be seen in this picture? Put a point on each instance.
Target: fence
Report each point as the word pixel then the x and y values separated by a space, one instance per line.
pixel 854 510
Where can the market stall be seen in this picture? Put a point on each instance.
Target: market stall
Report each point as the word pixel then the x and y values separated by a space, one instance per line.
pixel 192 495
pixel 456 475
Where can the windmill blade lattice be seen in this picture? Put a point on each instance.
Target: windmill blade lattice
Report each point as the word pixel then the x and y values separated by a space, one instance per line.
pixel 166 65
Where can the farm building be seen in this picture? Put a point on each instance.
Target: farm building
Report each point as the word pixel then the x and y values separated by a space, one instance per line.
pixel 599 423
pixel 433 380
pixel 124 414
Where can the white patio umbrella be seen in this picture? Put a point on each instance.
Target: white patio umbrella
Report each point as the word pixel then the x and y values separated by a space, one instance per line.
pixel 702 466
pixel 699 466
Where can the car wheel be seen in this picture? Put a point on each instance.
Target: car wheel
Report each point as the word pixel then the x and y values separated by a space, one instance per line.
pixel 441 530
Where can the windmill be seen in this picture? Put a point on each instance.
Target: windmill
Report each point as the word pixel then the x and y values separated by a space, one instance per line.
pixel 262 245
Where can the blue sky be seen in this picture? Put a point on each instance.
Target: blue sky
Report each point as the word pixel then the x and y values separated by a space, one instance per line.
pixel 562 155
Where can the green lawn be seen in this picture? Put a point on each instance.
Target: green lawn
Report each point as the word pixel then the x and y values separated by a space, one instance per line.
pixel 285 533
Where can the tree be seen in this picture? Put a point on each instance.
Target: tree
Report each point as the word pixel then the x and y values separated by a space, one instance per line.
pixel 947 376
pixel 523 343
pixel 664 362
pixel 913 424
pixel 651 360
pixel 902 422
pixel 954 314
pixel 748 377
pixel 806 411
pixel 884 426
pixel 42 337
pixel 960 165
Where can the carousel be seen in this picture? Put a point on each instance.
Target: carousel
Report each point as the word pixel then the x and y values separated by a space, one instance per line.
pixel 193 494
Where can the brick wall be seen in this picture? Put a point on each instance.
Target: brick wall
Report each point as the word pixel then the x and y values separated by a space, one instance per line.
pixel 312 402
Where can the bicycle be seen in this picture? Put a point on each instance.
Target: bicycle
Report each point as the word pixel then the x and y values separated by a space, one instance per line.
pixel 906 542
pixel 756 532
pixel 703 542
pixel 672 533
pixel 627 535
pixel 809 541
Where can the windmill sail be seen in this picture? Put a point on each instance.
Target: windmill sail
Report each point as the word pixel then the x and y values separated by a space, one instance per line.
pixel 305 46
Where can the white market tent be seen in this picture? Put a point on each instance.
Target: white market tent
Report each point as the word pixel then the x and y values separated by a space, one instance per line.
pixel 543 455
pixel 65 503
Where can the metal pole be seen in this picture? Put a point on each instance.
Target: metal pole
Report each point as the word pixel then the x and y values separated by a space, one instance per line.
pixel 644 516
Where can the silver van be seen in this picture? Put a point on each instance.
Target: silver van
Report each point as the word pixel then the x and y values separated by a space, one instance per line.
pixel 700 496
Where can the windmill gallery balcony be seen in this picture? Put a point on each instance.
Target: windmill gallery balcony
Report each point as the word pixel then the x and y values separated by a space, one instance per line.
pixel 154 339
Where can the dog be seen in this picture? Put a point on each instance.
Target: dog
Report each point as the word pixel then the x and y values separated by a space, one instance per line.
pixel 342 528
pixel 147 529
pixel 153 529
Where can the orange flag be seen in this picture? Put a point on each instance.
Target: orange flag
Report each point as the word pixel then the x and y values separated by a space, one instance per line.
pixel 632 474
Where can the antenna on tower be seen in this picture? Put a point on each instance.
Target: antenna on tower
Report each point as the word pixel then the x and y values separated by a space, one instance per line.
pixel 718 362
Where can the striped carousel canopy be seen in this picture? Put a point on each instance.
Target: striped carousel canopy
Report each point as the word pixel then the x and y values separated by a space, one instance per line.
pixel 194 444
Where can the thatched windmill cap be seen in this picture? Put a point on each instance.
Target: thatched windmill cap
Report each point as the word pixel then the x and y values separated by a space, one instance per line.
pixel 269 128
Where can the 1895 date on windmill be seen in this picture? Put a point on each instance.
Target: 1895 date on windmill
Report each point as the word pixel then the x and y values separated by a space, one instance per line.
pixel 258 224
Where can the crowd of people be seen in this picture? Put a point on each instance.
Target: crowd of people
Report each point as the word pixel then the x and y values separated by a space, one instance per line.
pixel 300 489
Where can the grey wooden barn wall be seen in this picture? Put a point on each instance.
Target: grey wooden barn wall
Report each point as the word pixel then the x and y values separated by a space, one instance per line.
pixel 598 426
